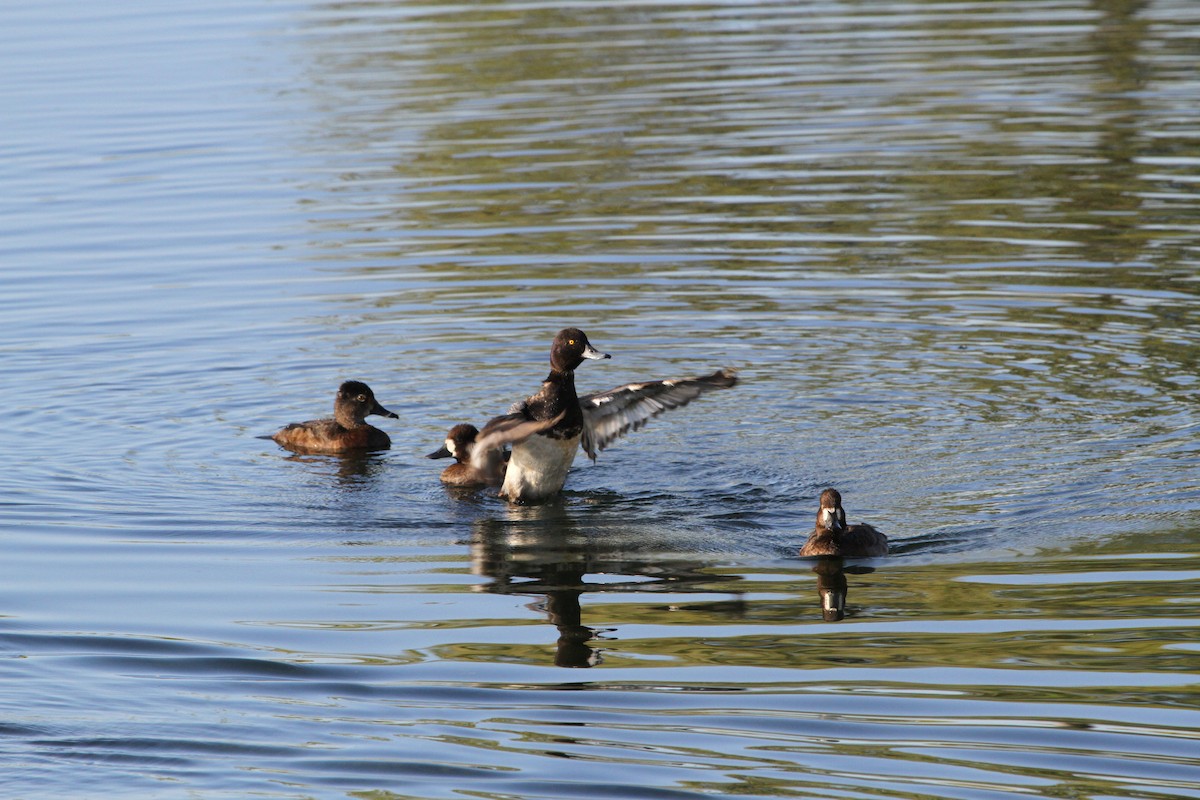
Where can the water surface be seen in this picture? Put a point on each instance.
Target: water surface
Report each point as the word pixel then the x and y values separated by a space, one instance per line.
pixel 951 248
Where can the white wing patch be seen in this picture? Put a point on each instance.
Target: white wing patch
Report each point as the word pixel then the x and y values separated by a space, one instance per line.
pixel 607 416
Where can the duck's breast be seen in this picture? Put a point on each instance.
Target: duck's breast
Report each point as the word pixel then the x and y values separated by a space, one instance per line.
pixel 538 467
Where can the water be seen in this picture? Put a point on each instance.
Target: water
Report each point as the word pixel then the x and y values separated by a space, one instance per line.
pixel 951 248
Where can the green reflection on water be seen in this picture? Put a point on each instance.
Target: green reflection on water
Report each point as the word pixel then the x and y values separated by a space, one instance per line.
pixel 618 128
pixel 1100 609
pixel 955 178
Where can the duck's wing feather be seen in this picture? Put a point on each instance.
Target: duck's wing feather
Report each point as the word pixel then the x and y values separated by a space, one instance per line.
pixel 507 429
pixel 607 416
pixel 306 433
pixel 864 539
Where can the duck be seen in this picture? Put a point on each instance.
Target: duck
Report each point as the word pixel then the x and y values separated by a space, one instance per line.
pixel 539 461
pixel 482 462
pixel 832 537
pixel 458 444
pixel 346 431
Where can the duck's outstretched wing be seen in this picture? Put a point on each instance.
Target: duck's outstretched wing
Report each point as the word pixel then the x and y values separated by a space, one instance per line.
pixel 607 416
pixel 506 430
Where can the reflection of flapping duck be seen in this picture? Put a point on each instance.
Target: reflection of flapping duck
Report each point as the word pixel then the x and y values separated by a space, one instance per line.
pixel 541 551
pixel 547 428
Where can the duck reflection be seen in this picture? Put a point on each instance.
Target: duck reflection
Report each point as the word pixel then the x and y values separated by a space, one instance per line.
pixel 543 551
pixel 832 586
pixel 353 470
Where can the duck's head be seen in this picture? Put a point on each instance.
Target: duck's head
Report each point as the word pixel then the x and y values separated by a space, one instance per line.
pixel 355 401
pixel 831 516
pixel 570 348
pixel 458 443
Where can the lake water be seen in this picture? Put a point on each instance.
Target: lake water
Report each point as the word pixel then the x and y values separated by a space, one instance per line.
pixel 952 248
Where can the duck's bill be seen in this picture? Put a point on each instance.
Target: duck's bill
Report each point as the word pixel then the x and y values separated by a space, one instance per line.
pixel 444 452
pixel 383 412
pixel 593 353
pixel 831 521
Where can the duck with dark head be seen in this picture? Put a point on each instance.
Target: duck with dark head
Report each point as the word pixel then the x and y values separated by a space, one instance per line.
pixel 547 428
pixel 346 431
pixel 832 537
pixel 538 466
pixel 458 444
pixel 482 461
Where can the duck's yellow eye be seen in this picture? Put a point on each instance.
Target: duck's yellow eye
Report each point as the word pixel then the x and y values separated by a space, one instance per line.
pixel 570 341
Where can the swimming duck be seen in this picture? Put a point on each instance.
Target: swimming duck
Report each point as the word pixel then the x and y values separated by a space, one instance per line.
pixel 346 431
pixel 833 538
pixel 538 465
pixel 458 445
pixel 481 462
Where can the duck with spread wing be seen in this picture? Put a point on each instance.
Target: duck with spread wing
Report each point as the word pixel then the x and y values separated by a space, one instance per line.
pixel 546 429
